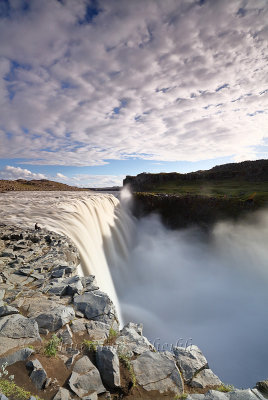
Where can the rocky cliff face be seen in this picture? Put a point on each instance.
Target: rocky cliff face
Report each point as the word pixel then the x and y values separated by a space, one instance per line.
pixel 247 170
pixel 59 335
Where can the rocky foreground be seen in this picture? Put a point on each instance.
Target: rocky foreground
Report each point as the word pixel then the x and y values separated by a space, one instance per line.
pixel 60 337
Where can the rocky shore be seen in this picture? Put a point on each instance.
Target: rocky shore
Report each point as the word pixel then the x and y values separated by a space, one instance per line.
pixel 60 337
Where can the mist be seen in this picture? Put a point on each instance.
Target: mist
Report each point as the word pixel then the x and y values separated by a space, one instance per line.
pixel 188 286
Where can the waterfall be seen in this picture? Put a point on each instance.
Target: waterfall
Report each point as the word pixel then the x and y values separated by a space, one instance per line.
pixel 97 224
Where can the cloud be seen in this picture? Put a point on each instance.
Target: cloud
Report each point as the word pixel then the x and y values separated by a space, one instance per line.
pixel 61 176
pixel 13 173
pixel 159 81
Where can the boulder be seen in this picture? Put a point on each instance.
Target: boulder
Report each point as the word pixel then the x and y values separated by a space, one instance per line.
pixel 20 355
pixel 158 371
pixel 96 305
pixel 38 375
pixel 190 360
pixel 131 338
pixel 3 397
pixel 7 310
pixel 62 394
pixel 205 378
pixel 108 365
pixel 17 326
pixel 66 335
pixel 97 330
pixel 85 378
pixel 262 386
pixel 92 396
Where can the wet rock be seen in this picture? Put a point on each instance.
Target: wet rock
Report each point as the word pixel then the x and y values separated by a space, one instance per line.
pixel 108 365
pixel 96 305
pixel 205 378
pixel 85 378
pixel 62 394
pixel 158 371
pixel 190 360
pixel 20 355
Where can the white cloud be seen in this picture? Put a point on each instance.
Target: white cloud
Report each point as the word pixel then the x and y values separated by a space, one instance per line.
pixel 61 176
pixel 12 173
pixel 189 81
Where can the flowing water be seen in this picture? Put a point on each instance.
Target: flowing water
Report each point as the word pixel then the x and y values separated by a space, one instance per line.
pixel 185 286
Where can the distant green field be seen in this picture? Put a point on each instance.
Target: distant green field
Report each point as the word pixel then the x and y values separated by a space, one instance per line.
pixel 243 190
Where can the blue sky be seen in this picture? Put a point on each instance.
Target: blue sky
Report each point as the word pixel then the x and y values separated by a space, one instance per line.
pixel 91 91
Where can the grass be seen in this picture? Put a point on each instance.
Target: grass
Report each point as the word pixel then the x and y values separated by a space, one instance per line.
pixel 182 396
pixel 14 392
pixel 242 190
pixel 90 345
pixel 126 362
pixel 51 347
pixel 225 388
pixel 112 337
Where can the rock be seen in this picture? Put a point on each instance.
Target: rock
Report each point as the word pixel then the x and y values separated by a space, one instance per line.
pixel 38 375
pixel 190 361
pixel 3 397
pixel 62 394
pixel 108 366
pixel 96 305
pixel 92 396
pixel 98 330
pixel 17 326
pixel 7 310
pixel 262 386
pixel 158 371
pixel 73 354
pixel 20 355
pixel 85 378
pixel 74 285
pixel 48 314
pixel 66 335
pixel 78 325
pixel 132 339
pixel 205 378
pixel 246 394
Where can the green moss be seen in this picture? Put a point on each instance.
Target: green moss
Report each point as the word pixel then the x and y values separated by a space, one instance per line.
pixel 90 345
pixel 225 388
pixel 14 392
pixel 51 347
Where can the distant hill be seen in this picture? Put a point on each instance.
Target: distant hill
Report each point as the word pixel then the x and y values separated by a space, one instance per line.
pixel 245 180
pixel 35 185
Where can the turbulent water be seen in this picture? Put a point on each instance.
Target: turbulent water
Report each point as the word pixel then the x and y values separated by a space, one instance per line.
pixel 208 289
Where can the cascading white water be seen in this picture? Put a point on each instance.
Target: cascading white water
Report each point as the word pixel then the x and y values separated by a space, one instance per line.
pixel 179 284
pixel 96 223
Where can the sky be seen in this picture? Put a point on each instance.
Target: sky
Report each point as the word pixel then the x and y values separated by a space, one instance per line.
pixel 94 90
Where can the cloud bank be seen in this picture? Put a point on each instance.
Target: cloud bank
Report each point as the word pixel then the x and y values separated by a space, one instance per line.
pixel 83 82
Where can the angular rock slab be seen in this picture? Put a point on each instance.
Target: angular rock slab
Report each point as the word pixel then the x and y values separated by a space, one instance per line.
pixel 190 360
pixel 96 305
pixel 108 366
pixel 131 339
pixel 158 371
pixel 20 355
pixel 205 378
pixel 38 375
pixel 85 378
pixel 62 394
pixel 16 327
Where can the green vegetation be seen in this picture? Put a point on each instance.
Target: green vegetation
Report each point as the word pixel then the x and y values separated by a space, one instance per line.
pixel 112 337
pixel 90 345
pixel 243 190
pixel 182 396
pixel 14 392
pixel 225 388
pixel 51 347
pixel 126 362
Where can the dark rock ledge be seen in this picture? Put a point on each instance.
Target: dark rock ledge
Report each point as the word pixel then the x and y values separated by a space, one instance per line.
pixel 59 333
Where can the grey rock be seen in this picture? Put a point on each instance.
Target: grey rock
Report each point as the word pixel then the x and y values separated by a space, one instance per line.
pixel 85 378
pixel 78 325
pixel 38 375
pixel 92 396
pixel 98 330
pixel 262 386
pixel 246 394
pixel 7 310
pixel 205 378
pixel 54 319
pixel 16 326
pixel 3 397
pixel 108 365
pixel 190 360
pixel 2 294
pixel 73 354
pixel 66 335
pixel 74 285
pixel 20 355
pixel 259 394
pixel 96 305
pixel 62 394
pixel 158 371
pixel 32 398
pixel 131 338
